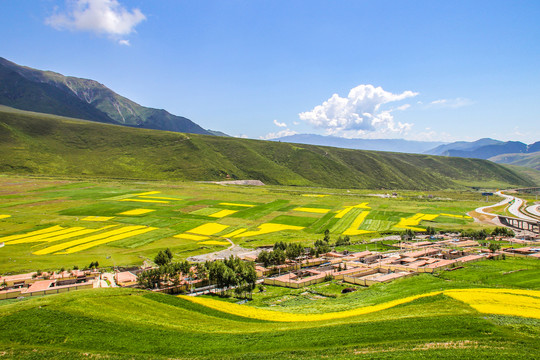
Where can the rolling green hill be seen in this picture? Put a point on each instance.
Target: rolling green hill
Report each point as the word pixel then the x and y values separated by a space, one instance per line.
pixel 39 144
pixel 530 160
pixel 30 89
pixel 138 324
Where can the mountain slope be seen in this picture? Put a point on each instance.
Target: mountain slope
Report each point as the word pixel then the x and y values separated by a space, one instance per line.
pixel 531 160
pixel 44 144
pixel 46 91
pixel 396 145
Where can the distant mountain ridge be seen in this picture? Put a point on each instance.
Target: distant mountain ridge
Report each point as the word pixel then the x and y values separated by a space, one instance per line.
pixel 393 145
pixel 484 148
pixel 53 93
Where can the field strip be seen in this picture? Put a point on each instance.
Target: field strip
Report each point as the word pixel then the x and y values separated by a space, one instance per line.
pixel 68 244
pixel 223 213
pixel 136 212
pixel 75 234
pixel 411 222
pixel 236 204
pixel 234 233
pixel 354 228
pixel 312 210
pixel 343 212
pixel 191 237
pixel 208 229
pixel 37 232
pixel 147 201
pixel 469 296
pixel 215 242
pixel 97 218
pixel 160 198
pixel 314 195
pixel 4 216
pixel 456 216
pixel 45 237
pixel 147 193
pixel 108 240
pixel 268 228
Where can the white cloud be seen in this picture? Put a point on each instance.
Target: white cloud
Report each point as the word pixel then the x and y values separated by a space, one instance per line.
pixel 99 16
pixel 359 114
pixel 277 123
pixel 451 103
pixel 124 42
pixel 278 134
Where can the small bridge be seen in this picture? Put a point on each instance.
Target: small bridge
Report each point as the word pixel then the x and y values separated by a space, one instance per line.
pixel 532 226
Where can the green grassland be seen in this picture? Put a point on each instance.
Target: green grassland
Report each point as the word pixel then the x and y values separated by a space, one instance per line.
pixel 37 203
pixel 136 324
pixel 38 144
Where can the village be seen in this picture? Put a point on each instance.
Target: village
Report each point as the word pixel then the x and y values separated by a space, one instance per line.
pixel 421 254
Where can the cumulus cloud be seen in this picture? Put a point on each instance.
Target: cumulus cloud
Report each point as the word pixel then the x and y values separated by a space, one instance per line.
pixel 360 113
pixel 124 42
pixel 99 16
pixel 275 135
pixel 278 124
pixel 451 103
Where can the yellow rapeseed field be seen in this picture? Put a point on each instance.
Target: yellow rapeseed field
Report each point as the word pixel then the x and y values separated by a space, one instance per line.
pixel 236 204
pixel 411 222
pixel 223 213
pixel 32 233
pixel 208 229
pixel 354 228
pixel 234 233
pixel 97 218
pixel 268 228
pixel 457 216
pixel 525 303
pixel 191 237
pixel 147 201
pixel 147 193
pixel 312 210
pixel 344 212
pixel 46 236
pixel 314 195
pixel 136 212
pixel 107 240
pixel 4 216
pixel 71 243
pixel 271 315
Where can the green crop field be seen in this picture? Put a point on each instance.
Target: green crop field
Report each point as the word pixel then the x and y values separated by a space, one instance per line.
pixel 137 324
pixel 53 223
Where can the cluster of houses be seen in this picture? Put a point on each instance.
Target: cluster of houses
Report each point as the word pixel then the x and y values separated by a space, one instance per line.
pixel 361 268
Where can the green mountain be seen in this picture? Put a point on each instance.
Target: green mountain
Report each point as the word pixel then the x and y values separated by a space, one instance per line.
pixel 41 144
pixel 49 92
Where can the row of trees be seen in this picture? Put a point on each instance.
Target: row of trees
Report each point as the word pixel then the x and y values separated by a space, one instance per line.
pixel 233 273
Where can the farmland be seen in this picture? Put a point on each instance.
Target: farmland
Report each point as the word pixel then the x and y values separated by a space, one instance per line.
pixel 52 223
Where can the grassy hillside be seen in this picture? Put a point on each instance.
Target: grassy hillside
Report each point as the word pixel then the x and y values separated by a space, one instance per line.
pixel 134 324
pixel 35 144
pixel 530 160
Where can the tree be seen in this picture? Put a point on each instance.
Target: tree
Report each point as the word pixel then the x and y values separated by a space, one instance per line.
pixel 294 251
pixel 326 235
pixel 169 254
pixel 162 258
pixel 494 247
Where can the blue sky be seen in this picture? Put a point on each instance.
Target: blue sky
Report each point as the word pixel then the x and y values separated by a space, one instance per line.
pixel 422 70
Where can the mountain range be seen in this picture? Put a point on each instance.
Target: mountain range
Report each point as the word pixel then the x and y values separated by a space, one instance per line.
pixel 395 145
pixel 49 92
pixel 509 152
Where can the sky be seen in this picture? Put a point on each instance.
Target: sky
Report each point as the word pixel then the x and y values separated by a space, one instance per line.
pixel 419 70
